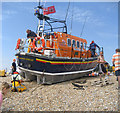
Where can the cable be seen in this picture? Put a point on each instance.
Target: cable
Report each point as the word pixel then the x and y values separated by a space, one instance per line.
pixel 72 19
pixel 67 10
pixel 83 27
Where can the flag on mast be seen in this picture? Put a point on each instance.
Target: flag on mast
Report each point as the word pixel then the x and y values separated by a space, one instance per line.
pixel 49 10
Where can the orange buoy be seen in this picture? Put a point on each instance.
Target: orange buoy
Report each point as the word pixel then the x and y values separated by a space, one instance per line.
pixel 18 44
pixel 43 43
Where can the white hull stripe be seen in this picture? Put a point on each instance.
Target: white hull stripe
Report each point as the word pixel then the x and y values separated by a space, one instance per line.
pixel 64 73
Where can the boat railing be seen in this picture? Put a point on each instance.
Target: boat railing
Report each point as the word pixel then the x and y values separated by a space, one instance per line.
pixel 24 46
pixel 97 52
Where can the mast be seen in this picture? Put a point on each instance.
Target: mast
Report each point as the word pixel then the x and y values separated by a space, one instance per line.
pixel 46 23
pixel 39 12
pixel 72 19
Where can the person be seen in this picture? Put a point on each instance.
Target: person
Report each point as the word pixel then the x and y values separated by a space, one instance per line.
pixel 31 34
pixel 30 46
pixel 116 62
pixel 92 48
pixel 113 69
pixel 101 66
pixel 17 83
pixel 17 76
pixel 107 66
pixel 13 66
pixel 5 87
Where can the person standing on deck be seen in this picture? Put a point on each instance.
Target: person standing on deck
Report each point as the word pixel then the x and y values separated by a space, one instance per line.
pixel 116 62
pixel 31 34
pixel 13 66
pixel 92 48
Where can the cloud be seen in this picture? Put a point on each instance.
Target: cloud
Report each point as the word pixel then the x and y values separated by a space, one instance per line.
pixel 113 6
pixel 14 9
pixel 79 15
pixel 7 14
pixel 24 7
pixel 108 35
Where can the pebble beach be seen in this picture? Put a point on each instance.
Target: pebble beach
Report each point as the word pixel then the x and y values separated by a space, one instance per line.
pixel 63 96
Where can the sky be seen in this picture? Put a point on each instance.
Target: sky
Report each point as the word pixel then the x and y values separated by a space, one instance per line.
pixel 101 24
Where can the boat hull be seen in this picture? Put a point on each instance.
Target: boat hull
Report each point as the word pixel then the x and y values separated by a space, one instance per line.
pixel 49 70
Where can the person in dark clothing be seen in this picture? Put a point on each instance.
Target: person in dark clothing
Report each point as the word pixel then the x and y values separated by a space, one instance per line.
pixel 92 48
pixel 31 34
pixel 13 66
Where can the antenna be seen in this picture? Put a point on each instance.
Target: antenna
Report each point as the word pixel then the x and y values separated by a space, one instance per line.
pixel 44 3
pixel 39 2
pixel 72 19
pixel 83 26
pixel 40 7
pixel 67 10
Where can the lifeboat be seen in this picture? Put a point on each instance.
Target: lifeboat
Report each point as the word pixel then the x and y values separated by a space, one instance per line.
pixel 55 56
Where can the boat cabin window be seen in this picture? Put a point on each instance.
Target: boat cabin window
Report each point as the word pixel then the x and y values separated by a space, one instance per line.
pixel 69 42
pixel 81 45
pixel 85 45
pixel 78 44
pixel 73 42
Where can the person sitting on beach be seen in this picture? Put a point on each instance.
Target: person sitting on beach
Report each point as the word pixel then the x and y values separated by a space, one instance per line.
pixel 92 48
pixel 101 66
pixel 5 88
pixel 17 83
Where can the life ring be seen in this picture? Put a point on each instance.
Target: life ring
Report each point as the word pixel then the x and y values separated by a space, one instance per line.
pixel 18 44
pixel 43 43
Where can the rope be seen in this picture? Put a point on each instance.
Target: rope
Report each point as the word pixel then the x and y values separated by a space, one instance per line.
pixel 69 68
pixel 67 10
pixel 83 27
pixel 72 19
